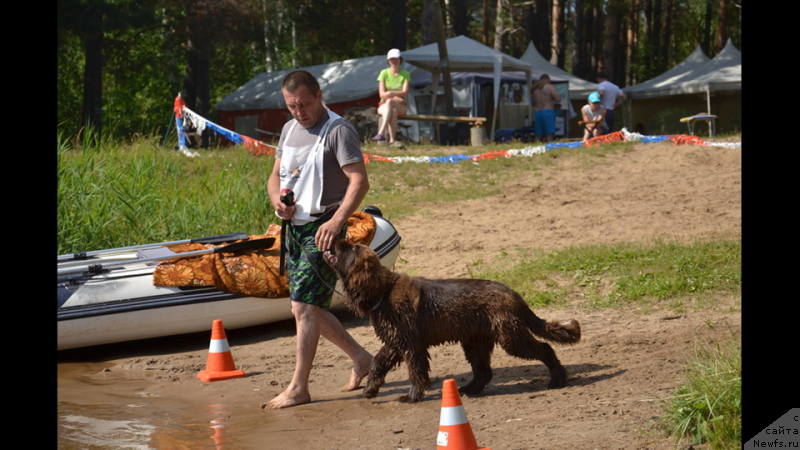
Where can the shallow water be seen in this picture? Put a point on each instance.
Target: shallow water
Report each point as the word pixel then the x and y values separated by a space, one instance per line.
pixel 101 408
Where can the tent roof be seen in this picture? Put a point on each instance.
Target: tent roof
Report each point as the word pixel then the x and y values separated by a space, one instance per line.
pixel 340 81
pixel 579 88
pixel 695 74
pixel 464 55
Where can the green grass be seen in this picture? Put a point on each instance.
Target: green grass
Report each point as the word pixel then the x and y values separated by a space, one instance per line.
pixel 607 276
pixel 128 194
pixel 707 408
pixel 114 194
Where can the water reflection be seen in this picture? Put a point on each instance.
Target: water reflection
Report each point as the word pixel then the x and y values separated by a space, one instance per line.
pixel 78 431
pixel 98 427
pixel 220 414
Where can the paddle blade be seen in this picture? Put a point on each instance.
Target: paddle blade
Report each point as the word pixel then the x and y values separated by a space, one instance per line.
pixel 246 245
pixel 220 238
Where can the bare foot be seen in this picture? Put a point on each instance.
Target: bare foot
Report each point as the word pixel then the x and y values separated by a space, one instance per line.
pixel 286 399
pixel 358 373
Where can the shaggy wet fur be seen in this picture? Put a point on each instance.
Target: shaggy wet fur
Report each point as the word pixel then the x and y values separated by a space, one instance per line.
pixel 410 315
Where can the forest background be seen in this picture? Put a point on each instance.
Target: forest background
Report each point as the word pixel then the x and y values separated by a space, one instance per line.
pixel 121 63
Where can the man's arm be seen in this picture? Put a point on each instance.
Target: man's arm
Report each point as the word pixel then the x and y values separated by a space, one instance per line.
pixel 556 96
pixel 620 98
pixel 356 191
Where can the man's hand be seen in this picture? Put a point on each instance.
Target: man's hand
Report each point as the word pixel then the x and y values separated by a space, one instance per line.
pixel 327 233
pixel 283 211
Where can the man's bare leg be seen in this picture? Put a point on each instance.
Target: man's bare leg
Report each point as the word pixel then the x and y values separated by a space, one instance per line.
pixel 332 330
pixel 308 332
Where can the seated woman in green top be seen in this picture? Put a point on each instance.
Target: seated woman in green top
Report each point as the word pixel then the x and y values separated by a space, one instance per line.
pixel 393 89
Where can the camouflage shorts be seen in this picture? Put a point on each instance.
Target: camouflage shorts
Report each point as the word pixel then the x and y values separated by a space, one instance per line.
pixel 304 283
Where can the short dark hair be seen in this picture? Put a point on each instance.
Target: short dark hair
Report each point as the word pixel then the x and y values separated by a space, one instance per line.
pixel 544 77
pixel 602 75
pixel 294 80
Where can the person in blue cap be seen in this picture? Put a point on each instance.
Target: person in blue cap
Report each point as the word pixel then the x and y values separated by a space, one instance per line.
pixel 594 115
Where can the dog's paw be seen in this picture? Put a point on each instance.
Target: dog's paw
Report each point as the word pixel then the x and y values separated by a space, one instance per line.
pixel 369 393
pixel 470 390
pixel 409 399
pixel 558 379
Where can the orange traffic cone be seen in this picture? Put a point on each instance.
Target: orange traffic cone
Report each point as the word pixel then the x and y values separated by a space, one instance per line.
pixel 220 361
pixel 454 430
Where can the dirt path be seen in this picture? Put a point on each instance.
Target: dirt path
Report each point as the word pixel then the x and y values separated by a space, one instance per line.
pixel 626 359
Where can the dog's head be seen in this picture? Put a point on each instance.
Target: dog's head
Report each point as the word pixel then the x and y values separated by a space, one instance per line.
pixel 362 274
pixel 348 259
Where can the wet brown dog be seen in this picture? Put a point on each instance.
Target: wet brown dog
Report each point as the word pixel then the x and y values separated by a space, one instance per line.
pixel 410 315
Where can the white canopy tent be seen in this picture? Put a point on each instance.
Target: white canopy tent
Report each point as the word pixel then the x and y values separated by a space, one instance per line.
pixel 695 75
pixel 258 105
pixel 579 89
pixel 339 81
pixel 467 55
pixel 667 81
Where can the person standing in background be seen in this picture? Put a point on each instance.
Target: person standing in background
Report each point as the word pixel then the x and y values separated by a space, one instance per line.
pixel 612 97
pixel 544 98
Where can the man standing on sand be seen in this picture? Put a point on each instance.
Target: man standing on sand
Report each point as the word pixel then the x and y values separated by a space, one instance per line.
pixel 544 97
pixel 319 159
pixel 612 97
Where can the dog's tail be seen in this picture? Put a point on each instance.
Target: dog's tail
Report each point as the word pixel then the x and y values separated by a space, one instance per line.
pixel 560 332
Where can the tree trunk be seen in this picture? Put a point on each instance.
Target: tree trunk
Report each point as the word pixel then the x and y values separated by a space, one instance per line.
pixel 441 39
pixel 557 58
pixel 706 44
pixel 196 84
pixel 722 26
pixel 487 14
pixel 665 43
pixel 647 28
pixel 268 40
pixel 398 21
pixel 459 20
pixel 530 25
pixel 621 45
pixel 501 16
pixel 92 114
pixel 597 38
pixel 428 22
pixel 633 42
pixel 656 39
pixel 542 20
pixel 579 51
pixel 611 41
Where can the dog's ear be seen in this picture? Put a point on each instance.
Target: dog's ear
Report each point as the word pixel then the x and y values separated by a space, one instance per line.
pixel 360 267
pixel 366 280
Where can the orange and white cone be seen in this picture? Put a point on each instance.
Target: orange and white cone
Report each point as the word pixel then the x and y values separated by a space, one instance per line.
pixel 220 361
pixel 455 433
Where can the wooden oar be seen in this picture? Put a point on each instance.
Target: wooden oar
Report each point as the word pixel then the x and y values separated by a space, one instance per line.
pixel 213 239
pixel 246 245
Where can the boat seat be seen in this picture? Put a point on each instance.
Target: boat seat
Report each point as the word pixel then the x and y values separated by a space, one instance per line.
pixel 250 272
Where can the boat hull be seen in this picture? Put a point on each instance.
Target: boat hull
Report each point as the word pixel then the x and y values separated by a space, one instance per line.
pixel 123 305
